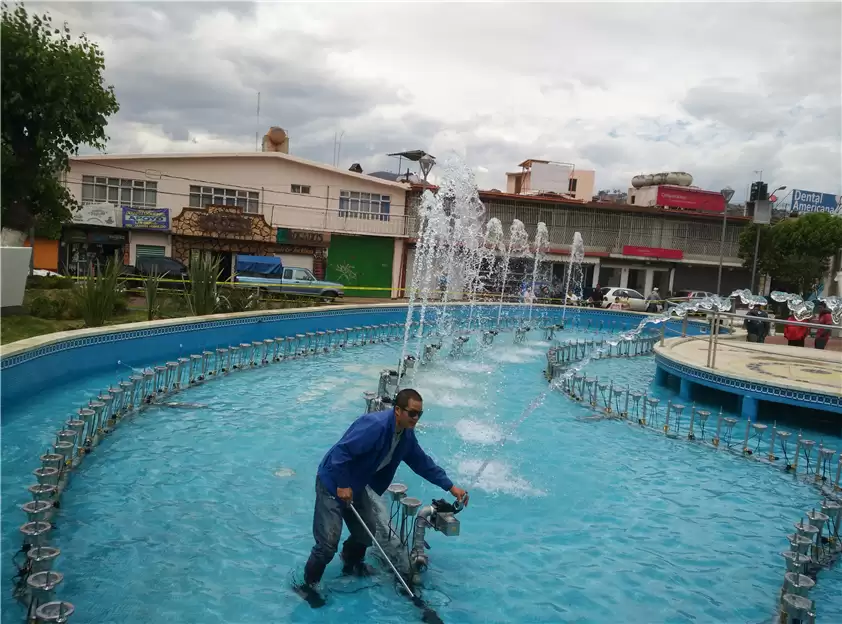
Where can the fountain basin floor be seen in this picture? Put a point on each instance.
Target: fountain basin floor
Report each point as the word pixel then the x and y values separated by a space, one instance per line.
pixel 200 514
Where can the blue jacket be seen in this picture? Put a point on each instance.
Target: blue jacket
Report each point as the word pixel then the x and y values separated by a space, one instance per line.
pixel 352 462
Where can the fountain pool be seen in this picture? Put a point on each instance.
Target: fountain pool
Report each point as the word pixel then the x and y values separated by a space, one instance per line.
pixel 199 512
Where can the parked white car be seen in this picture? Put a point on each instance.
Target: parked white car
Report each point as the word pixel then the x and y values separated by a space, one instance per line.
pixel 610 295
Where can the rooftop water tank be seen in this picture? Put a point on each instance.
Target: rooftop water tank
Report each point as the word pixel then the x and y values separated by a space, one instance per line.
pixel 677 178
pixel 276 140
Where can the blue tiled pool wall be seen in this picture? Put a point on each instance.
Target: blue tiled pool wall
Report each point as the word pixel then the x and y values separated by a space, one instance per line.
pixel 754 389
pixel 75 359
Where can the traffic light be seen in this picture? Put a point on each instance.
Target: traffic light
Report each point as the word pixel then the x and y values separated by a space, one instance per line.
pixel 759 191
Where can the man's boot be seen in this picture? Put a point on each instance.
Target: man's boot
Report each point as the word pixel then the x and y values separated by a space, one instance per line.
pixel 352 557
pixel 313 572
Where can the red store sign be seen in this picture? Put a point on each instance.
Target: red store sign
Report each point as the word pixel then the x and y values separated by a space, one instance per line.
pixel 653 252
pixel 691 199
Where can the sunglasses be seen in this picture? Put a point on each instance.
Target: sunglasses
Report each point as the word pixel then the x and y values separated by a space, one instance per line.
pixel 413 413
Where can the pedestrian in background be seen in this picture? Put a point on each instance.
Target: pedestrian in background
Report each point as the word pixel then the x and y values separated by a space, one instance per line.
pixel 795 334
pixel 824 318
pixel 757 329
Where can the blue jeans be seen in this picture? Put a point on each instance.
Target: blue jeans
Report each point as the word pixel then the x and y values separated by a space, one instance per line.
pixel 328 516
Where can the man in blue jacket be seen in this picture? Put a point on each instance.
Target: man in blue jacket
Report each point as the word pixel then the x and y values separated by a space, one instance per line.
pixel 368 454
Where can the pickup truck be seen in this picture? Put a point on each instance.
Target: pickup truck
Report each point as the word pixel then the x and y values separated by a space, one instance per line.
pixel 268 273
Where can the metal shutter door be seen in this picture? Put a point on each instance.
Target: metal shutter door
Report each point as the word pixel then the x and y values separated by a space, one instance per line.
pixel 150 251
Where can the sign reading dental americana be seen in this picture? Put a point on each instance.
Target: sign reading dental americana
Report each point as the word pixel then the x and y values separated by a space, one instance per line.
pixel 810 201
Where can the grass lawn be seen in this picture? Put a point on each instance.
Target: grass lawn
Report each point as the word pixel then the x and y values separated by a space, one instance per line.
pixel 22 326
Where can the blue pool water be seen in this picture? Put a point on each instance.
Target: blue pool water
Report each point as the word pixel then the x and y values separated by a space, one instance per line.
pixel 201 514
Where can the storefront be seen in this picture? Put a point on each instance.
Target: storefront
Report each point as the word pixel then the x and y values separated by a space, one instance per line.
pixel 92 238
pixel 224 231
pixel 304 249
pixel 149 232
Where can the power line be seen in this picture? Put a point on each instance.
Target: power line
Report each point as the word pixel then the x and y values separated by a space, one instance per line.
pixel 265 204
pixel 217 183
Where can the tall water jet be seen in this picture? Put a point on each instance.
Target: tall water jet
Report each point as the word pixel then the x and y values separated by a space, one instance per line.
pixel 542 242
pixel 518 243
pixel 462 239
pixel 424 249
pixel 485 256
pixel 574 270
pixel 449 243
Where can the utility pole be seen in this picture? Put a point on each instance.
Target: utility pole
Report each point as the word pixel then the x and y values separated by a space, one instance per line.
pixel 257 131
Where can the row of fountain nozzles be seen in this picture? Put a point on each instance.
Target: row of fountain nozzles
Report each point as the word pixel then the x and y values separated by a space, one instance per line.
pixel 796 607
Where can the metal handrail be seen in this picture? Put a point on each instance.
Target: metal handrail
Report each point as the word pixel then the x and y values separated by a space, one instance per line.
pixel 715 321
pixel 777 320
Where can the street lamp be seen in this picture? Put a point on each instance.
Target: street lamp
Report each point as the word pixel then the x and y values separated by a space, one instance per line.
pixel 757 238
pixel 426 162
pixel 727 193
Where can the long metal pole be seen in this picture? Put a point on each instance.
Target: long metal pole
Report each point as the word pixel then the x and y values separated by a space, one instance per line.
pixel 716 323
pixel 721 249
pixel 382 552
pixel 754 261
pixel 710 339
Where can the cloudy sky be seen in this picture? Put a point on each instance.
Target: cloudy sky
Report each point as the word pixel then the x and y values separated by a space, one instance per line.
pixel 720 90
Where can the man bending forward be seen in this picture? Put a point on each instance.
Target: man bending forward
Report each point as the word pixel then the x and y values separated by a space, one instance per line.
pixel 368 454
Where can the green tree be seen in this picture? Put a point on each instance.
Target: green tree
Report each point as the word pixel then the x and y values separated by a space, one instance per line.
pixel 54 100
pixel 795 252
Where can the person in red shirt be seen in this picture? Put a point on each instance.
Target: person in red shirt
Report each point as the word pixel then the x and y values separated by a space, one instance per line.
pixel 795 334
pixel 824 318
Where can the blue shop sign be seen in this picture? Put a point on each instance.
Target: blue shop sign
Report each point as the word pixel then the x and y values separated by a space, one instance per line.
pixel 146 218
pixel 809 201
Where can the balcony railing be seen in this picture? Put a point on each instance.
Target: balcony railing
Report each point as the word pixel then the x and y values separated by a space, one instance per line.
pixel 340 222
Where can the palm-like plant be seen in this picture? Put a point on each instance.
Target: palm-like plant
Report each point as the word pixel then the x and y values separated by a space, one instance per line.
pixel 97 295
pixel 202 297
pixel 151 284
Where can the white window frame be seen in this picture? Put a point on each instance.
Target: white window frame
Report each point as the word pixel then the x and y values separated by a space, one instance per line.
pixel 204 196
pixel 119 191
pixel 364 205
pixel 300 189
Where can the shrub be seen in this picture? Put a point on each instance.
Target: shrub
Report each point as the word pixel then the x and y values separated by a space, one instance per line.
pixel 45 307
pixel 49 282
pixel 238 298
pixel 98 297
pixel 121 304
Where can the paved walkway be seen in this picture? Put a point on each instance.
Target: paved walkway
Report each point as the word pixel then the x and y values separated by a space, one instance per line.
pixel 798 368
pixel 835 344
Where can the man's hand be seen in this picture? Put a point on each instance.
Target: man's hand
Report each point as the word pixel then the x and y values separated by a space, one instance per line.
pixel 460 494
pixel 345 494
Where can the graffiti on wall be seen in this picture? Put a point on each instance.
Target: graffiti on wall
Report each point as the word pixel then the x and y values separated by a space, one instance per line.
pixel 346 273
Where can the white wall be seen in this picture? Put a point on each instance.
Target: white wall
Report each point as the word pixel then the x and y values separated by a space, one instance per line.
pixel 14 263
pixel 397 263
pixel 410 258
pixel 301 261
pixel 272 175
pixel 646 196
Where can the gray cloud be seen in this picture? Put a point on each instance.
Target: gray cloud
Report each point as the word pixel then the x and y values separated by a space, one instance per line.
pixel 626 89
